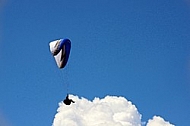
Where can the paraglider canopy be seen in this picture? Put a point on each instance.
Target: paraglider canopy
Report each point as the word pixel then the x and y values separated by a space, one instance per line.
pixel 60 49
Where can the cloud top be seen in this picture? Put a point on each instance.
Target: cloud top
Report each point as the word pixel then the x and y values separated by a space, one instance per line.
pixel 109 111
pixel 158 121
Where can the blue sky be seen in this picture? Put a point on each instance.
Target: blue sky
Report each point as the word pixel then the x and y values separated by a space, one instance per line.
pixel 136 49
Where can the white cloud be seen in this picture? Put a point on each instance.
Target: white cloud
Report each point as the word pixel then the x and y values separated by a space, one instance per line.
pixel 109 111
pixel 158 121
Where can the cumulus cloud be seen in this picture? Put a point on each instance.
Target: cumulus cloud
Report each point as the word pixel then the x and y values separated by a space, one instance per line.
pixel 109 111
pixel 158 121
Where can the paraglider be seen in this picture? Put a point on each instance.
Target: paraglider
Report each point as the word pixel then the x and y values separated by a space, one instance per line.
pixel 60 49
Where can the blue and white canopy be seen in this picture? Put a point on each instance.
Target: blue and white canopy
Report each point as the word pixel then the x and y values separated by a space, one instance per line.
pixel 60 49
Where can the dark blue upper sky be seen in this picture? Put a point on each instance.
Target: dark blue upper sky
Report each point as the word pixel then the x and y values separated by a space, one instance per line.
pixel 136 49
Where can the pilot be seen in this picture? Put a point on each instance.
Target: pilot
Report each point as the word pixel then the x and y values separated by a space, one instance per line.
pixel 68 101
